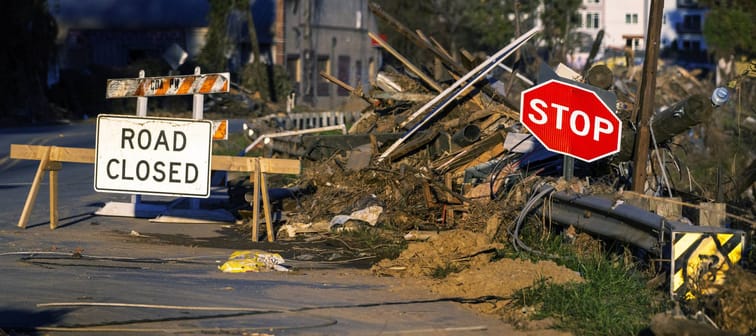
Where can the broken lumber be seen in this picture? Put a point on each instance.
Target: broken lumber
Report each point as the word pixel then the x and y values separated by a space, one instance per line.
pixel 459 86
pixel 414 69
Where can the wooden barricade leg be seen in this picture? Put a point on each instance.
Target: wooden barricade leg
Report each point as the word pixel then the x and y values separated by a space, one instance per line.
pixel 266 208
pixel 54 167
pixel 256 200
pixel 26 213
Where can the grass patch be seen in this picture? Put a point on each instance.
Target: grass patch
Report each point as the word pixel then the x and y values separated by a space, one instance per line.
pixel 613 300
pixel 381 243
pixel 443 271
pixel 233 146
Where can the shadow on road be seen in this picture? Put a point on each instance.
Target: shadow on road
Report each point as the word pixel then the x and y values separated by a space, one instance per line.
pixel 62 222
pixel 25 322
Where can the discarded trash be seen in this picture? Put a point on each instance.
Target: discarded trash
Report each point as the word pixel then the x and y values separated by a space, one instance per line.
pixel 253 261
pixel 293 229
pixel 368 215
pixel 136 234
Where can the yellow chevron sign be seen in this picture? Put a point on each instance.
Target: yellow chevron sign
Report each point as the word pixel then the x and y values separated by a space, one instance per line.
pixel 168 86
pixel 700 260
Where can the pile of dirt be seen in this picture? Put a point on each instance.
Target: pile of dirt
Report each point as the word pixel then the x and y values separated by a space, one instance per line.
pixel 458 263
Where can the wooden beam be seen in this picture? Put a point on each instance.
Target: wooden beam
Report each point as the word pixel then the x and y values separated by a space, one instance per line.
pixel 442 54
pixel 407 63
pixel 404 96
pixel 336 81
pixel 60 154
pixel 26 212
pixel 256 201
pixel 266 206
pixel 273 166
pixel 53 197
pixel 647 92
pixel 219 162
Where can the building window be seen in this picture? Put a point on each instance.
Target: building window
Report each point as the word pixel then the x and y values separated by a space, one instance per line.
pixel 324 65
pixel 357 73
pixel 592 20
pixel 635 18
pixel 631 18
pixel 692 22
pixel 293 68
pixel 343 73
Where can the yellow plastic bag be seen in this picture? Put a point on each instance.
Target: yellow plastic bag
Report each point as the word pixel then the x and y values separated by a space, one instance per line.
pixel 253 261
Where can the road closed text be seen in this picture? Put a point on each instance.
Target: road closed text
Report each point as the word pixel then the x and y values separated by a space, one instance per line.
pixel 153 156
pixel 157 171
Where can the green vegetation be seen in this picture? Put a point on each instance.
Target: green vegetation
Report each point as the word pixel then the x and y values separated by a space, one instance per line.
pixel 235 143
pixel 382 244
pixel 441 272
pixel 613 300
pixel 481 25
pixel 729 27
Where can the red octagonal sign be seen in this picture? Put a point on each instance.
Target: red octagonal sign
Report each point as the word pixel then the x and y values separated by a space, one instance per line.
pixel 570 120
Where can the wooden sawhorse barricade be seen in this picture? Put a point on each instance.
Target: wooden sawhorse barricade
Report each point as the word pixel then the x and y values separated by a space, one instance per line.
pixel 51 158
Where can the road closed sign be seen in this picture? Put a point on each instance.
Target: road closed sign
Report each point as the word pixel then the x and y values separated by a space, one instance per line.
pixel 153 156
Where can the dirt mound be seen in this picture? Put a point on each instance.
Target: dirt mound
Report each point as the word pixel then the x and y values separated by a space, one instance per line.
pixel 457 263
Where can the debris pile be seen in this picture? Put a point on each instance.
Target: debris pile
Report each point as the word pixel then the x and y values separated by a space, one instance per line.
pixel 450 156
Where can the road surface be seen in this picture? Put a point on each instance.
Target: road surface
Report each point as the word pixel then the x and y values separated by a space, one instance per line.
pixel 108 275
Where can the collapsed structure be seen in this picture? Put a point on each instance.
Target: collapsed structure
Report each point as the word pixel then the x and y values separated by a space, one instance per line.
pixel 434 155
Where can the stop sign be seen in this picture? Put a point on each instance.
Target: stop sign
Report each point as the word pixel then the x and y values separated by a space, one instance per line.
pixel 570 120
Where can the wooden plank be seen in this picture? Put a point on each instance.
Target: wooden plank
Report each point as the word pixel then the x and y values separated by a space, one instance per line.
pixel 220 162
pixel 256 201
pixel 53 199
pixel 26 213
pixel 266 208
pixel 487 155
pixel 406 62
pixel 712 214
pixel 669 208
pixel 336 81
pixel 686 204
pixel 60 154
pixel 239 164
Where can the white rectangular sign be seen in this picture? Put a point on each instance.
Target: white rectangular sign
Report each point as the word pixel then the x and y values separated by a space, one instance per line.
pixel 153 156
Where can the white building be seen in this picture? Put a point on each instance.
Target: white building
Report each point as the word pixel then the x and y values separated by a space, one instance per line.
pixel 625 24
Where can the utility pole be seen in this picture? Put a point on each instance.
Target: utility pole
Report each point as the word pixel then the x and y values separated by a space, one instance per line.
pixel 646 93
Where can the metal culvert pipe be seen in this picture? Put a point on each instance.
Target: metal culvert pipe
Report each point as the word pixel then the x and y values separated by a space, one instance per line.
pixel 466 135
pixel 602 225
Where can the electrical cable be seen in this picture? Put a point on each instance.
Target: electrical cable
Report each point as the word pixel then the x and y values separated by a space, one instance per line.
pixel 500 166
pixel 242 312
pixel 532 202
pixel 662 164
pixel 112 258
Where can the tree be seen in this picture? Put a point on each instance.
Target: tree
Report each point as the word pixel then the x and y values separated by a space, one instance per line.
pixel 730 28
pixel 215 54
pixel 558 17
pixel 226 37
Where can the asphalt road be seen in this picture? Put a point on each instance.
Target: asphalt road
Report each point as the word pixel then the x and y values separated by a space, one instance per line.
pixel 93 276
